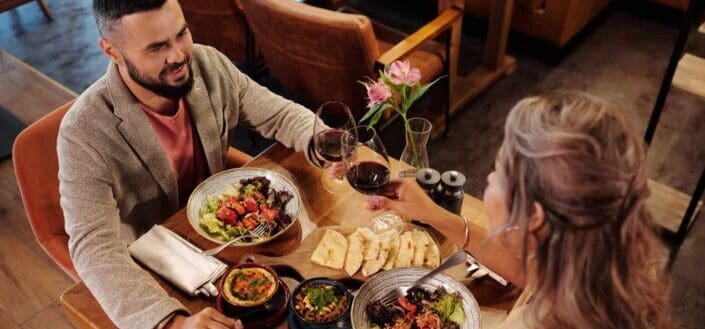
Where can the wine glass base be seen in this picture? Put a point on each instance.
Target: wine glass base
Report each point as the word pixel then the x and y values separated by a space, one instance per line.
pixel 335 186
pixel 386 225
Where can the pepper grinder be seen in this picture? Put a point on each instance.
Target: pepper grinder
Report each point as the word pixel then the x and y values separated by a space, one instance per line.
pixel 429 180
pixel 452 197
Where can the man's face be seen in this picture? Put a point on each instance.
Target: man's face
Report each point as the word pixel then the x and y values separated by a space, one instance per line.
pixel 156 48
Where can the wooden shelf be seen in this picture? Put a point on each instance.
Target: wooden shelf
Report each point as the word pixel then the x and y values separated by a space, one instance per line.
pixel 668 206
pixel 690 75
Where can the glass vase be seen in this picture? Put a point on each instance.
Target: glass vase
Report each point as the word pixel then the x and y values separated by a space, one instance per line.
pixel 415 154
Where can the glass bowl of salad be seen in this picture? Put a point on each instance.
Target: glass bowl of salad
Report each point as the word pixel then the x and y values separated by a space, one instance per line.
pixel 439 302
pixel 251 205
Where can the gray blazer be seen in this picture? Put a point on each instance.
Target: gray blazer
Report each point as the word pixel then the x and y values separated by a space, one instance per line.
pixel 116 181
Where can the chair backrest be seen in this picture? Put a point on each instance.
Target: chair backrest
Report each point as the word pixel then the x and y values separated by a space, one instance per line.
pixel 37 169
pixel 316 53
pixel 218 23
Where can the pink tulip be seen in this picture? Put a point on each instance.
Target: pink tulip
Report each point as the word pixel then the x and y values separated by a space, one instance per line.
pixel 401 73
pixel 377 93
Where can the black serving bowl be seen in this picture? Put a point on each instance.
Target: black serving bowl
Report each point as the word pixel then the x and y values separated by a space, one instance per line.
pixel 343 318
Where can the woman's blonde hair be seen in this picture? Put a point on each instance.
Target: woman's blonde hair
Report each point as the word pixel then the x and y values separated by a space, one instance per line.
pixel 576 156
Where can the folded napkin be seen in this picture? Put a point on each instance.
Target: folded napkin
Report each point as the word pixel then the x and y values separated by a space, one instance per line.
pixel 178 261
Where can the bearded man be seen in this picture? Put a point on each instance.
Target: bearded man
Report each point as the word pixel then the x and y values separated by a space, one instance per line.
pixel 136 143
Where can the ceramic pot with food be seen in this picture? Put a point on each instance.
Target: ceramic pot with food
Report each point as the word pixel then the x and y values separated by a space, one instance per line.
pixel 248 286
pixel 321 303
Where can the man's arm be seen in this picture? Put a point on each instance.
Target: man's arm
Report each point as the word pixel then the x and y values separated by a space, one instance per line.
pixel 271 115
pixel 127 293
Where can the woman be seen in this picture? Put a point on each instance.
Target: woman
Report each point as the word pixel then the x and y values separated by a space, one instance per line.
pixel 567 219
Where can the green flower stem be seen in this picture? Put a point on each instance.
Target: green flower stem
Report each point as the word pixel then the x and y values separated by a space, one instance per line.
pixel 416 162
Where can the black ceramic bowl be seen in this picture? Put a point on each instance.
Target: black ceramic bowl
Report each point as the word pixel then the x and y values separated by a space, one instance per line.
pixel 333 322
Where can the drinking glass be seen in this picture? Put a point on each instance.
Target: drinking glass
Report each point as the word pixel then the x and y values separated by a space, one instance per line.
pixel 332 120
pixel 368 171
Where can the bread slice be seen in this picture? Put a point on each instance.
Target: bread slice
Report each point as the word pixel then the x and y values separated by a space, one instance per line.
pixel 353 259
pixel 393 252
pixel 406 251
pixel 331 250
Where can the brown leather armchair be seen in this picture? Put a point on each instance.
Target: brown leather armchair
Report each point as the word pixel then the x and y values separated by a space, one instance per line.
pixel 11 4
pixel 221 24
pixel 321 54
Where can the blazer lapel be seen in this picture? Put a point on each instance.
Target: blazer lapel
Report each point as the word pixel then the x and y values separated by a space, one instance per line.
pixel 203 116
pixel 135 128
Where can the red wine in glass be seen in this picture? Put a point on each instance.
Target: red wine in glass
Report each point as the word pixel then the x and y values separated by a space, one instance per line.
pixel 368 177
pixel 328 144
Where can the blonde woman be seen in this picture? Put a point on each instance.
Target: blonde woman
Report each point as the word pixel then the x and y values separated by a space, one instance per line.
pixel 567 219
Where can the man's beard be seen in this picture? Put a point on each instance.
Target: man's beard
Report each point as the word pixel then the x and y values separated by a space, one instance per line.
pixel 160 87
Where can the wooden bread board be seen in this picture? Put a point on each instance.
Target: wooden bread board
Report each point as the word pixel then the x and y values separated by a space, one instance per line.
pixel 300 259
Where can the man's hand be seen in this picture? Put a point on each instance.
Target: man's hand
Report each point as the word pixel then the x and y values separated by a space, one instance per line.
pixel 208 318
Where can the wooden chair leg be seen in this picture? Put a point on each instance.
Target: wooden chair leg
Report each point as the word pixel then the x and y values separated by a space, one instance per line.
pixel 45 9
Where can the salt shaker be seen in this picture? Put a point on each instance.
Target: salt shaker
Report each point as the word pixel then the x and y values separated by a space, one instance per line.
pixel 429 179
pixel 452 197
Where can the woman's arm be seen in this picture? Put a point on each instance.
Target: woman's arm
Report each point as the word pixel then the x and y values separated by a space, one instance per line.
pixel 407 197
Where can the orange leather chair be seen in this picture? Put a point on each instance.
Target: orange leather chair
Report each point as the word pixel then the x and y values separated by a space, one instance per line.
pixel 37 167
pixel 321 54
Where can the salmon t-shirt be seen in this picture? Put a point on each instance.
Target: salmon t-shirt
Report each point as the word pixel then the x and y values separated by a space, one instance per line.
pixel 180 140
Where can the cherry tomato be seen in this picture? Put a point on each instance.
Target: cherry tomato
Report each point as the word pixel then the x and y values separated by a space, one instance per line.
pixel 227 215
pixel 407 305
pixel 269 214
pixel 250 204
pixel 239 209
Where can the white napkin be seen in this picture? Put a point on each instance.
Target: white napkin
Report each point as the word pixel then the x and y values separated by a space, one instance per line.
pixel 178 261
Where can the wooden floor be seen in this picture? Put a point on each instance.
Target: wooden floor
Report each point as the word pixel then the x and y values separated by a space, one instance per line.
pixel 30 283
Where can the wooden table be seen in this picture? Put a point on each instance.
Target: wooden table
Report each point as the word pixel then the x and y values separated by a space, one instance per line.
pixel 320 209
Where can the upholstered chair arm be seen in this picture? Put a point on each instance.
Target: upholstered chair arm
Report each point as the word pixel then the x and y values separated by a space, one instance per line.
pixel 441 23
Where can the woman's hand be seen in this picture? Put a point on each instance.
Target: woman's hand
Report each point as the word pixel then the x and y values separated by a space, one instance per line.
pixel 208 318
pixel 407 197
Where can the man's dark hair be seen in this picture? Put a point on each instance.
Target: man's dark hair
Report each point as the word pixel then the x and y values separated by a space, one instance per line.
pixel 107 12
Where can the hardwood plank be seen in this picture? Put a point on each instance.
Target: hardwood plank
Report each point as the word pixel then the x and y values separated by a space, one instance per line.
pixel 6 323
pixel 690 75
pixel 28 282
pixel 14 218
pixel 53 315
pixel 27 93
pixel 668 205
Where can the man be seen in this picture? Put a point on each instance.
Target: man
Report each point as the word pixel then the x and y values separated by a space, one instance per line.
pixel 141 138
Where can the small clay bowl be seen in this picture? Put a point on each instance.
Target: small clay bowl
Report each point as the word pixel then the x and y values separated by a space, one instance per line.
pixel 237 305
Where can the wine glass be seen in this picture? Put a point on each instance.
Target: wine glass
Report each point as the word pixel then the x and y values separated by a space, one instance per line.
pixel 368 171
pixel 332 120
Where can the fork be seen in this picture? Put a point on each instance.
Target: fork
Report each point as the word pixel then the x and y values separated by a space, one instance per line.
pixel 256 233
pixel 457 258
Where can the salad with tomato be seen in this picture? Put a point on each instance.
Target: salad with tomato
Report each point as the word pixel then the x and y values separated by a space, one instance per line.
pixel 419 309
pixel 242 207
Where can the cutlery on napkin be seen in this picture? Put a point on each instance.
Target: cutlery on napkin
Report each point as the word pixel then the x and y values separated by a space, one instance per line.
pixel 178 261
